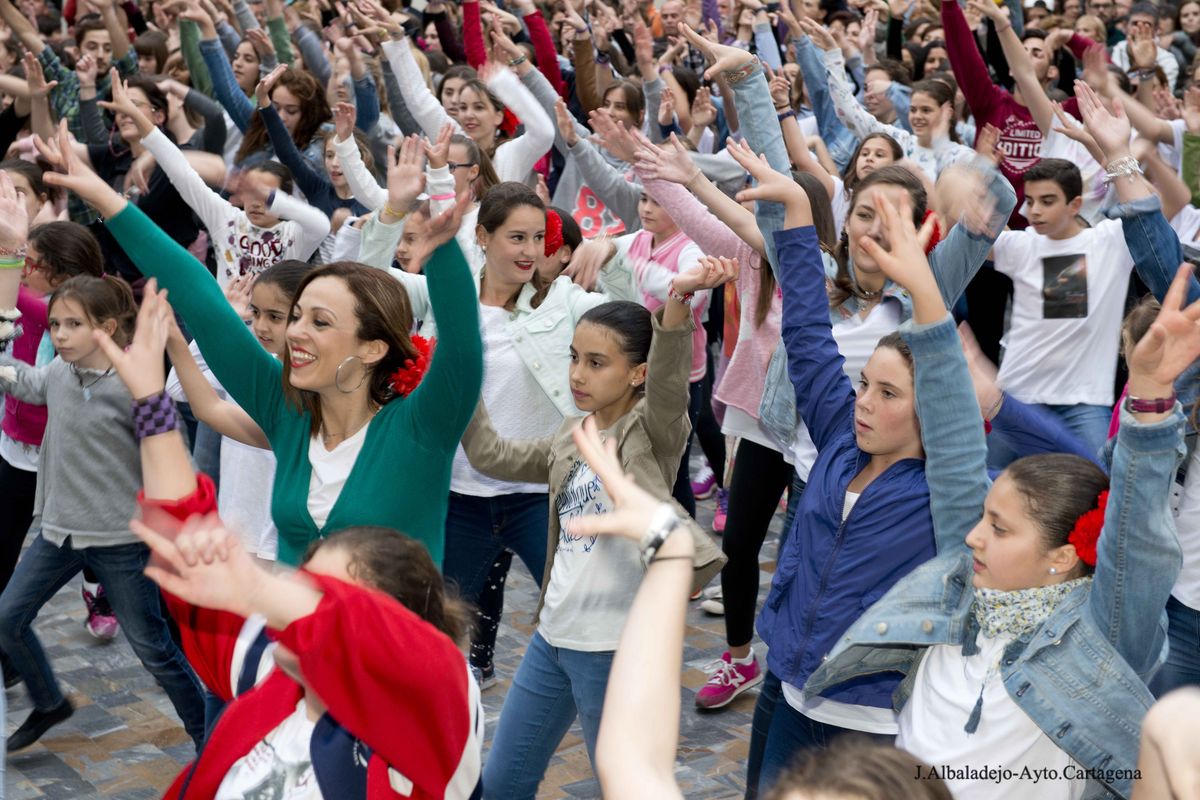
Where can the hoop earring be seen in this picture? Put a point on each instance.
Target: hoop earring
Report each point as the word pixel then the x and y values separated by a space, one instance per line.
pixel 337 376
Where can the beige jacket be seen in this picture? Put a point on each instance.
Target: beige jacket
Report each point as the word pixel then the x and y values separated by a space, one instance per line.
pixel 650 441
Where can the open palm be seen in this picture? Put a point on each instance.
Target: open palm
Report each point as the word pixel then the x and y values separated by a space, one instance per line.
pixel 14 219
pixel 1173 342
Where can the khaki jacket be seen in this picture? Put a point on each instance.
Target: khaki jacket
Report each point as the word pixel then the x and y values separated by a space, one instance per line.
pixel 650 442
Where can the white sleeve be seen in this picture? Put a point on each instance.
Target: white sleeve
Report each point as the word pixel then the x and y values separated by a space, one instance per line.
pixel 439 185
pixel 346 242
pixel 362 183
pixel 851 112
pixel 175 386
pixel 423 106
pixel 1010 250
pixel 310 226
pixel 214 211
pixel 417 287
pixel 515 158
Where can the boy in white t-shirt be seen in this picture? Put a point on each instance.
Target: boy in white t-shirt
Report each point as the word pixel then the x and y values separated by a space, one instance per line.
pixel 1069 288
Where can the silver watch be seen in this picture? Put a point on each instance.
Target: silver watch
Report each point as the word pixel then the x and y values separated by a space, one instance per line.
pixel 664 521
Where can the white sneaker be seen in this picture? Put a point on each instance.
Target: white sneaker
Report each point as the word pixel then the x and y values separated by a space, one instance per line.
pixel 714 601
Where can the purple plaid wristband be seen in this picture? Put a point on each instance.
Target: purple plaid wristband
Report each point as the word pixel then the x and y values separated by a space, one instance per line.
pixel 154 415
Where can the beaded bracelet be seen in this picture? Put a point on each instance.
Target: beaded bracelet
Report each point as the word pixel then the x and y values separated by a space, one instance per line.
pixel 12 262
pixel 154 415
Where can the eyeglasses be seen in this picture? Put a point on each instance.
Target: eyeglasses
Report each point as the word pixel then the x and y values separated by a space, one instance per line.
pixel 453 165
pixel 31 267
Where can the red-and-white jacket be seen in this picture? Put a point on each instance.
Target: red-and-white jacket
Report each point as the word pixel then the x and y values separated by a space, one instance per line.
pixel 404 715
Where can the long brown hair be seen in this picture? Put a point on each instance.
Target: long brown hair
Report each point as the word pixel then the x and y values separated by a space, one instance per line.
pixel 102 299
pixel 314 112
pixel 503 199
pixel 844 286
pixel 383 311
pixel 854 766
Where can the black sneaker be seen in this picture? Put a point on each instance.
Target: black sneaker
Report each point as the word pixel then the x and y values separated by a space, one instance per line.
pixel 37 723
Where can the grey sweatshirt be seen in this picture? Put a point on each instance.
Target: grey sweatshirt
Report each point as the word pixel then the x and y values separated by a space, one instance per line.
pixel 90 470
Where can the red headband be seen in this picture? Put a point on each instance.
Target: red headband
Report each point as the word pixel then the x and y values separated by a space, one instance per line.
pixel 1086 532
pixel 404 380
pixel 554 232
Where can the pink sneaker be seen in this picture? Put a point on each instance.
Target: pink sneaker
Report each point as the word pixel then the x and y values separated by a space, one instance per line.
pixel 722 511
pixel 728 682
pixel 703 483
pixel 101 621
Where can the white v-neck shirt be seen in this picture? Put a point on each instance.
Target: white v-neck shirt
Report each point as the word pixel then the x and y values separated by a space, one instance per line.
pixel 330 469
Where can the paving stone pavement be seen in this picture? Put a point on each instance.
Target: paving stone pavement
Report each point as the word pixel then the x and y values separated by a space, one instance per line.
pixel 125 741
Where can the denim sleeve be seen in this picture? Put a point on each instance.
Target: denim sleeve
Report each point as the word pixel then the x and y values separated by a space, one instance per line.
pixel 366 101
pixel 824 395
pixel 1153 244
pixel 1138 555
pixel 767 47
pixel 760 125
pixel 959 256
pixel 1032 430
pixel 225 86
pixel 951 431
pixel 816 81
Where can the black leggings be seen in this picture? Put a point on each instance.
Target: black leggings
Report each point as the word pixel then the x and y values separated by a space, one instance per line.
pixel 17 489
pixel 760 475
pixel 712 442
pixel 708 430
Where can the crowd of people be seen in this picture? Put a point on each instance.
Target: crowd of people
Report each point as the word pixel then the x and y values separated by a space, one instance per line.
pixel 314 314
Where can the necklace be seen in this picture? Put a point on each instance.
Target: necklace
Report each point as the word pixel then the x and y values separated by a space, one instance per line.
pixel 87 387
pixel 868 295
pixel 344 436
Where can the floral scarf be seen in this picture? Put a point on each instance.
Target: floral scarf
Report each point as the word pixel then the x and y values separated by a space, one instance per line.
pixel 1001 613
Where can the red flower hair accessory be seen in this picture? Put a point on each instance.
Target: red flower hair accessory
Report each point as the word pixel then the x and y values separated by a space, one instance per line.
pixel 937 231
pixel 1086 532
pixel 509 123
pixel 408 377
pixel 554 233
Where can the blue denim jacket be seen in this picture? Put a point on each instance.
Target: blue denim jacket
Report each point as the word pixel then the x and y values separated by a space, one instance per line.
pixel 955 260
pixel 1080 675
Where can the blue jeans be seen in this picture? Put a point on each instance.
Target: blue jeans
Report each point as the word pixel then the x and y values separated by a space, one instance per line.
pixel 779 732
pixel 551 686
pixel 478 531
pixel 135 600
pixel 1090 423
pixel 1183 658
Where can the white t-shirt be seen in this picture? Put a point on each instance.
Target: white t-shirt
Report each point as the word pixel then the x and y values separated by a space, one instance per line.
pixel 516 403
pixel 856 339
pixel 1068 301
pixel 1186 225
pixel 330 469
pixel 833 712
pixel 1187 522
pixel 18 454
pixel 279 767
pixel 932 727
pixel 594 578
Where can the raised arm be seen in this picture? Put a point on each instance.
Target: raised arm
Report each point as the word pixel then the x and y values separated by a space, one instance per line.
pixel 522 153
pixel 225 86
pixel 1019 65
pixel 421 103
pixel 226 418
pixel 1138 556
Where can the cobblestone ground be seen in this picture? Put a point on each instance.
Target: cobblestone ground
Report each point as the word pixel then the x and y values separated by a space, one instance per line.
pixel 125 741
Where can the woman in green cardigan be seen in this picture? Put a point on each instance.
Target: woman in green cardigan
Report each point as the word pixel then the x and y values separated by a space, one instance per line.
pixel 355 443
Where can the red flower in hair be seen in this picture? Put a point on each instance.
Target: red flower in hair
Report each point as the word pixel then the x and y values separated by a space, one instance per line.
pixel 408 377
pixel 1086 533
pixel 554 232
pixel 509 123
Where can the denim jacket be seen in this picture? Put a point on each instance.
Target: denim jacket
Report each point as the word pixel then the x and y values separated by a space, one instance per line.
pixel 1080 675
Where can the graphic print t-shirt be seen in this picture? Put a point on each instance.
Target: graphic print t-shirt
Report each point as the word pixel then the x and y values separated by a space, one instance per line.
pixel 594 578
pixel 1068 300
pixel 279 767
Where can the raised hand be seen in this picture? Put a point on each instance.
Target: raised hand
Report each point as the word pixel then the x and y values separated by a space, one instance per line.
pixel 721 58
pixel 633 507
pixel 262 92
pixel 672 162
pixel 986 142
pixel 86 69
pixel 343 121
pixel 770 185
pixel 666 108
pixel 261 42
pixel 204 565
pixel 820 36
pixel 866 37
pixel 780 88
pixel 1173 342
pixel 542 190
pixel 615 137
pixel 709 273
pixel 565 122
pixel 1111 130
pixel 704 113
pixel 989 10
pixel 14 217
pixel 122 103
pixel 238 292
pixel 76 176
pixel 504 49
pixel 438 151
pixel 405 173
pixel 1072 130
pixel 38 87
pixel 140 366
pixel 441 229
pixel 1191 109
pixel 587 261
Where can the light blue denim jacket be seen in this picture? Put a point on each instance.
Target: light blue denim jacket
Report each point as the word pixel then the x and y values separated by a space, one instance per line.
pixel 1080 675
